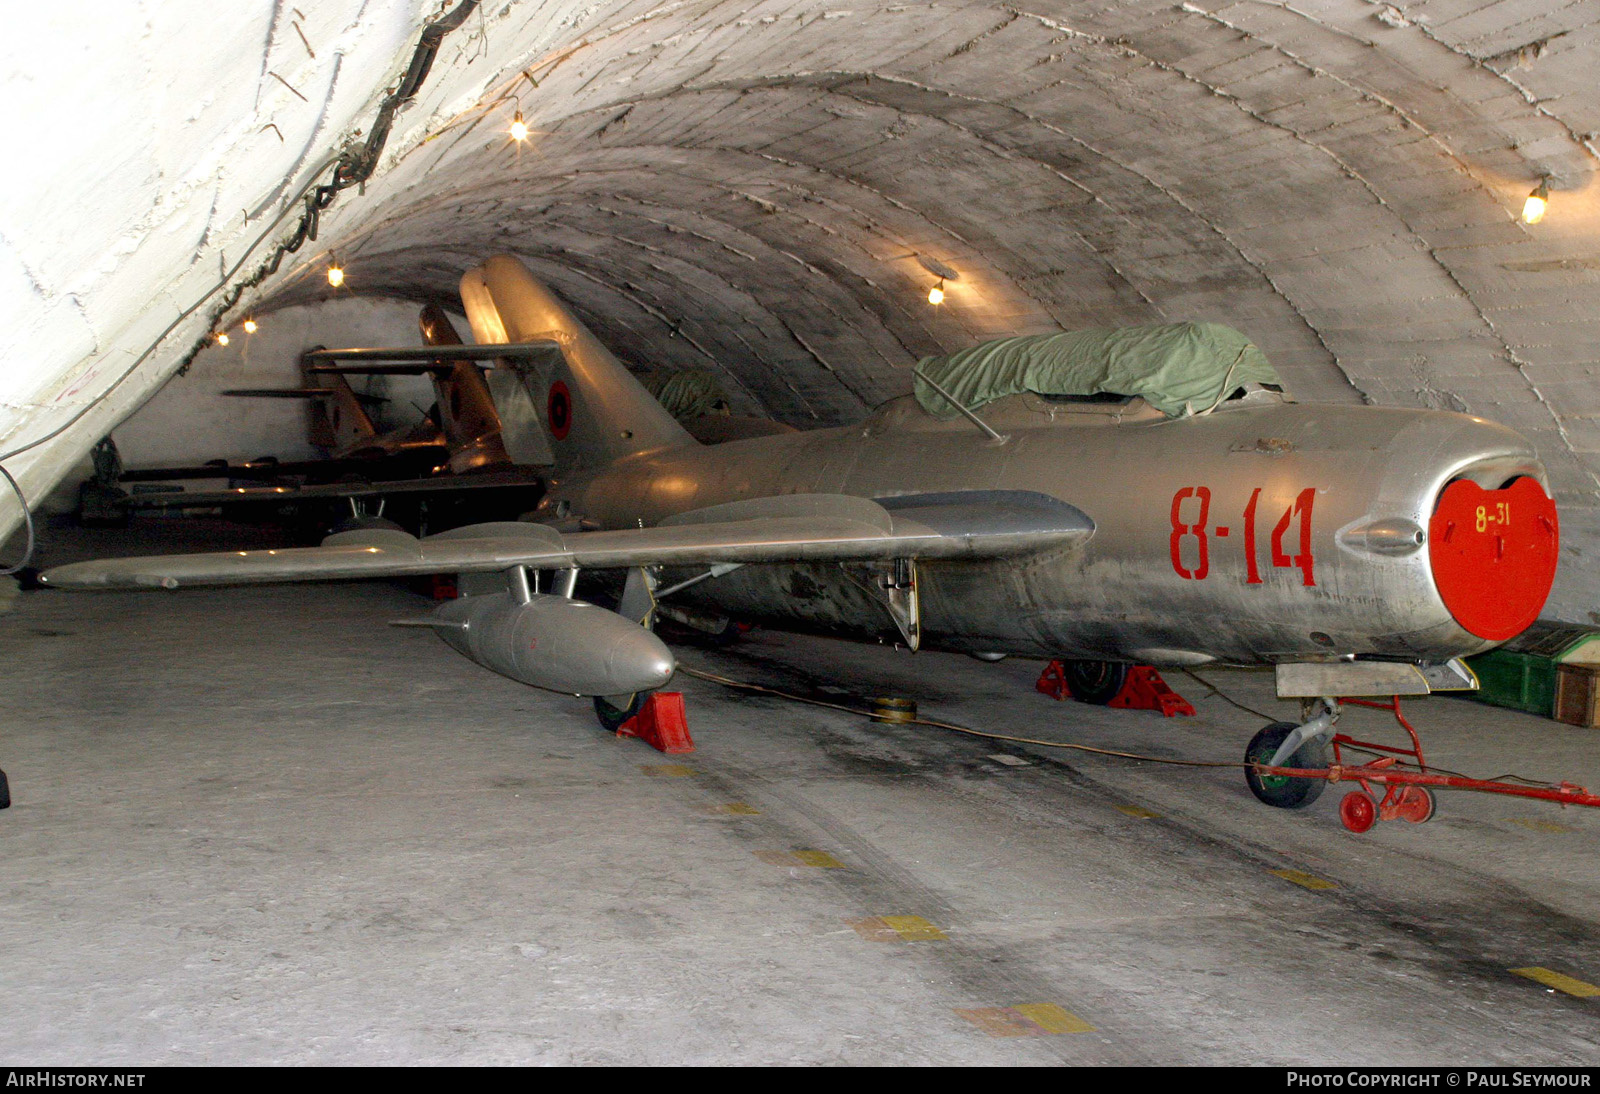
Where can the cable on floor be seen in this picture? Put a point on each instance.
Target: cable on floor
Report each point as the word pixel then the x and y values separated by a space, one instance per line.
pixel 741 685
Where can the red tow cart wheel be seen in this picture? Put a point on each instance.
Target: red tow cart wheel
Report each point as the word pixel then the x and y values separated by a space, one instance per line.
pixel 1358 812
pixel 1416 804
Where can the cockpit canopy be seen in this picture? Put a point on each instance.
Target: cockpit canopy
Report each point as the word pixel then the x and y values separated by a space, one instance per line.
pixel 1179 368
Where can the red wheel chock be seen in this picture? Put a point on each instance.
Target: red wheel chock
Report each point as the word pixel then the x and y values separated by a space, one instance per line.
pixel 1142 690
pixel 661 723
pixel 1145 690
pixel 1053 681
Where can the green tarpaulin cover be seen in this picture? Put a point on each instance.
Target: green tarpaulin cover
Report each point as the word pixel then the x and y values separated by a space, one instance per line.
pixel 688 394
pixel 1179 368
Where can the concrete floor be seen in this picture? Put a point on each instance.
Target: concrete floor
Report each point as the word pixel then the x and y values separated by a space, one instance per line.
pixel 260 826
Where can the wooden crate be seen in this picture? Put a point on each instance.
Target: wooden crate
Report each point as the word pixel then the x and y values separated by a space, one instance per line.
pixel 1578 695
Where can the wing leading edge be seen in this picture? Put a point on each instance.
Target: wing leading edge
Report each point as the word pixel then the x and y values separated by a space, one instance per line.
pixel 791 528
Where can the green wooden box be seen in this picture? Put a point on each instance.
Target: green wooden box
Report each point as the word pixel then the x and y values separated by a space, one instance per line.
pixel 1520 681
pixel 1522 673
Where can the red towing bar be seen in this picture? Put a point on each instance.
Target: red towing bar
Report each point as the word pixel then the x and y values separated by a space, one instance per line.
pixel 1407 796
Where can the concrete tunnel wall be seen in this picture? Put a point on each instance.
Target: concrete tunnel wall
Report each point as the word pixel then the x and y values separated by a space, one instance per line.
pixel 753 187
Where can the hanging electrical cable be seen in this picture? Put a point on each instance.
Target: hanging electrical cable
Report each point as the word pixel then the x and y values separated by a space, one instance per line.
pixel 27 519
pixel 350 168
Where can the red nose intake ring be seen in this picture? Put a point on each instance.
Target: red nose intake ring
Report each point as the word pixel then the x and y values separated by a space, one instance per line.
pixel 1493 554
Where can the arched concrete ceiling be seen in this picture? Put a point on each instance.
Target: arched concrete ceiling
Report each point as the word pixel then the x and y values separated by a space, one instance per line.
pixel 750 186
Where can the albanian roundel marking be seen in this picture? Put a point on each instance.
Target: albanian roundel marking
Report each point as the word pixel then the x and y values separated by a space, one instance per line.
pixel 560 410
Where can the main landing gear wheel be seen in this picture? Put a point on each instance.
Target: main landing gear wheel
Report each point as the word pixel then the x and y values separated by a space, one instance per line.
pixel 729 634
pixel 1096 682
pixel 1282 791
pixel 612 716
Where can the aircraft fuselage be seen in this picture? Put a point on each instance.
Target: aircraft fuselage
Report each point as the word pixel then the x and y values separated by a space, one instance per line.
pixel 1258 534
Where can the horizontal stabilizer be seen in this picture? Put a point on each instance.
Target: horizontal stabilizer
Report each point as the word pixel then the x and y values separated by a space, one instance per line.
pixel 298 393
pixel 794 528
pixel 426 354
pixel 421 368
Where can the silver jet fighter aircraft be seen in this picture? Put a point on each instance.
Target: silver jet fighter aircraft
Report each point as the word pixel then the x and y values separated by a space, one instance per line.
pixel 1359 550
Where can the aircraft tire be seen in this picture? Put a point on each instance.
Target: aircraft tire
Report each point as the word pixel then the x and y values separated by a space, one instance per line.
pixel 729 634
pixel 1096 682
pixel 612 716
pixel 1281 791
pixel 5 792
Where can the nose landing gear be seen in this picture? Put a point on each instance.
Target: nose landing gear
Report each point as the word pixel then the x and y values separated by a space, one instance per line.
pixel 1283 791
pixel 1293 781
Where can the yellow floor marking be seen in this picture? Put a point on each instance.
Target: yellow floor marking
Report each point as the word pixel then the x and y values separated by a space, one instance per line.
pixel 739 809
pixel 1300 877
pixel 819 859
pixel 1001 1022
pixel 875 930
pixel 1551 979
pixel 1136 811
pixel 1026 1020
pixel 1540 825
pixel 913 928
pixel 669 771
pixel 1053 1019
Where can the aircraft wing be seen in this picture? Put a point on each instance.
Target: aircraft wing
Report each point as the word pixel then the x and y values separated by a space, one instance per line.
pixel 444 484
pixel 792 528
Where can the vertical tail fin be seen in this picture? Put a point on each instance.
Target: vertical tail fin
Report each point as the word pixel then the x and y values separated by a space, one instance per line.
pixel 338 423
pixel 595 412
pixel 466 409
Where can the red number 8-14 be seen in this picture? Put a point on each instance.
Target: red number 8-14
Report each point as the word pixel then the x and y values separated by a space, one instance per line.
pixel 1197 530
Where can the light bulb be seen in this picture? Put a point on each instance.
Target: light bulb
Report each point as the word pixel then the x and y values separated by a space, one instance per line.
pixel 519 128
pixel 251 326
pixel 1538 201
pixel 335 276
pixel 222 338
pixel 936 294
